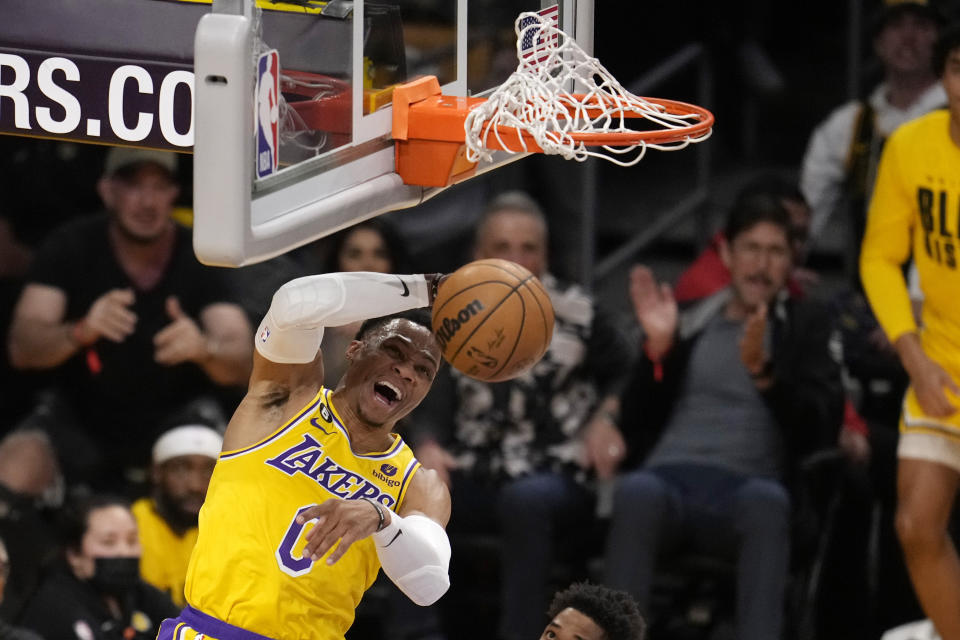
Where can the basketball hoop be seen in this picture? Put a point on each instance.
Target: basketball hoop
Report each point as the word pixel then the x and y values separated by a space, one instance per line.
pixel 536 110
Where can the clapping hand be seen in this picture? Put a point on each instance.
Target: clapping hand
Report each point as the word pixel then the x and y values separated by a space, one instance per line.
pixel 181 340
pixel 656 310
pixel 753 354
pixel 109 317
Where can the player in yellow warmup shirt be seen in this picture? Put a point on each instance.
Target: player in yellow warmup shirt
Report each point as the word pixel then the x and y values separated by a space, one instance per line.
pixel 915 209
pixel 183 459
pixel 313 493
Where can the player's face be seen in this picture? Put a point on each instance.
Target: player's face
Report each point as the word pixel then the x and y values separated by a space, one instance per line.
pixel 365 250
pixel 570 624
pixel 759 259
pixel 142 203
pixel 111 533
pixel 183 480
pixel 391 371
pixel 905 44
pixel 515 236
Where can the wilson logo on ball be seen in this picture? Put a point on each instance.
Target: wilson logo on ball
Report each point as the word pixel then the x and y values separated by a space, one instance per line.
pixel 493 319
pixel 450 326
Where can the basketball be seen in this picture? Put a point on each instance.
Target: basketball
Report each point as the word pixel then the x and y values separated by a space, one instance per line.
pixel 493 319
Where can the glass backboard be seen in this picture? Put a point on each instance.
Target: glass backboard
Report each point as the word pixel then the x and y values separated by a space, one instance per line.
pixel 293 109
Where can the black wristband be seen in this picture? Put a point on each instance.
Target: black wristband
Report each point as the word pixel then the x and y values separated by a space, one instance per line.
pixel 379 512
pixel 434 284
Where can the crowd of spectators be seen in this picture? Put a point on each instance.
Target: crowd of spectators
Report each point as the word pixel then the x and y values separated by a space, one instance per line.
pixel 123 354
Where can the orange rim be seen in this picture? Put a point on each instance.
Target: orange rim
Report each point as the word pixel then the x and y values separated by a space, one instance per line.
pixel 429 134
pixel 632 138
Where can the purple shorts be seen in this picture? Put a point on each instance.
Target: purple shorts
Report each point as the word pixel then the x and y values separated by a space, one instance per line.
pixel 192 623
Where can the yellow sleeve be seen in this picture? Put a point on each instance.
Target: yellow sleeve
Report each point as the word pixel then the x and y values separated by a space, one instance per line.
pixel 886 244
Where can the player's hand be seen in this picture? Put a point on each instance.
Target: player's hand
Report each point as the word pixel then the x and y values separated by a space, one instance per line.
pixel 336 519
pixel 929 382
pixel 753 355
pixel 109 317
pixel 434 280
pixel 656 310
pixel 181 340
pixel 433 456
pixel 604 446
pixel 928 378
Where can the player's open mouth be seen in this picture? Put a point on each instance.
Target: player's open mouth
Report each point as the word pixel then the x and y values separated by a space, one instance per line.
pixel 387 393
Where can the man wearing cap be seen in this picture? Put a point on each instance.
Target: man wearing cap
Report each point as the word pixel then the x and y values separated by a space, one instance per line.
pixel 133 325
pixel 840 163
pixel 183 460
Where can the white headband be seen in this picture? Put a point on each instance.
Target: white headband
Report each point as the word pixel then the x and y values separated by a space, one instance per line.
pixel 192 439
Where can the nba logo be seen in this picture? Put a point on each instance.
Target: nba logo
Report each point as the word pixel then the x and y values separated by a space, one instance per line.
pixel 268 113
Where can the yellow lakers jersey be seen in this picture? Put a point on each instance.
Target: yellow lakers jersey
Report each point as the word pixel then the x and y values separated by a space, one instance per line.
pixel 247 568
pixel 915 210
pixel 165 555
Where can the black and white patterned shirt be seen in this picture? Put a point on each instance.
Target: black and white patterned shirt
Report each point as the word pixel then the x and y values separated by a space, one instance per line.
pixel 532 423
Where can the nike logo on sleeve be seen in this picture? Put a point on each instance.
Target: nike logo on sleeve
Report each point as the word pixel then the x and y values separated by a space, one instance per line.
pixel 406 291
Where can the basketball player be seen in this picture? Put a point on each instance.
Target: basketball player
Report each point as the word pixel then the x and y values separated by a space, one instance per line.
pixel 585 611
pixel 313 493
pixel 183 461
pixel 917 197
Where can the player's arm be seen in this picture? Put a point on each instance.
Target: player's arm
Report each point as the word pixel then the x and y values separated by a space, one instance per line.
pixel 293 326
pixel 287 364
pixel 413 546
pixel 886 245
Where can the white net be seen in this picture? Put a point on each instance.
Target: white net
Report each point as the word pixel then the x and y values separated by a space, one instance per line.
pixel 294 128
pixel 537 100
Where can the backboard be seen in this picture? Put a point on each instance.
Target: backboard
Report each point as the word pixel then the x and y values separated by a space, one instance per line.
pixel 293 108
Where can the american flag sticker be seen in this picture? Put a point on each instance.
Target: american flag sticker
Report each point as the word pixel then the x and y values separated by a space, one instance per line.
pixel 536 41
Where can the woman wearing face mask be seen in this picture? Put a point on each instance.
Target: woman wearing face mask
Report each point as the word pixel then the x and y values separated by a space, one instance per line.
pixel 99 595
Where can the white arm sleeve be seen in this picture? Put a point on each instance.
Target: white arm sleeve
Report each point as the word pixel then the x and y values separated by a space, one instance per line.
pixel 292 329
pixel 415 554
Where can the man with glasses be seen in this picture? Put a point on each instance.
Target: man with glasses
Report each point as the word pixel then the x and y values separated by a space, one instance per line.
pixel 730 394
